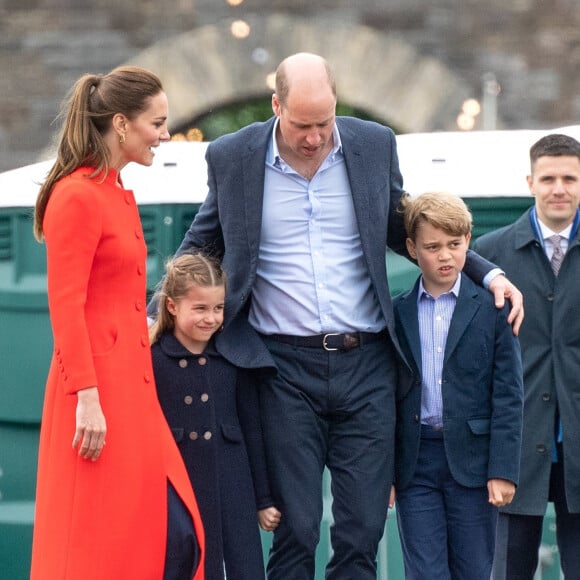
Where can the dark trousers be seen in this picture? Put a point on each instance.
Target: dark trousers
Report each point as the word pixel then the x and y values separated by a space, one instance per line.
pixel 335 409
pixel 519 537
pixel 447 530
pixel 182 552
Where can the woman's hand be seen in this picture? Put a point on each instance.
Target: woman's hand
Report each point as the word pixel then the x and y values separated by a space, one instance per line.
pixel 91 426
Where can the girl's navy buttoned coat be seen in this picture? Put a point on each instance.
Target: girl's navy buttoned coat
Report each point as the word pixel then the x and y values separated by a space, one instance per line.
pixel 212 408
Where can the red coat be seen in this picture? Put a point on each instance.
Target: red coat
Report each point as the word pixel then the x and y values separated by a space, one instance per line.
pixel 103 520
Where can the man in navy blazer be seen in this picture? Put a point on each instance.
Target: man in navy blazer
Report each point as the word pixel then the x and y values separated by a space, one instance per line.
pixel 459 425
pixel 300 209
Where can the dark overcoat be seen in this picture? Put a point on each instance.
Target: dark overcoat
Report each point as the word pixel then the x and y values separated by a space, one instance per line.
pixel 550 342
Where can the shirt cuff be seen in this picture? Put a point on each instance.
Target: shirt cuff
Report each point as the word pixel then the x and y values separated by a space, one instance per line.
pixel 491 275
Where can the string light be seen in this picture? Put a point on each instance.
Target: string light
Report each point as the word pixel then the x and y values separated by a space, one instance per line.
pixel 195 134
pixel 240 29
pixel 470 109
pixel 465 122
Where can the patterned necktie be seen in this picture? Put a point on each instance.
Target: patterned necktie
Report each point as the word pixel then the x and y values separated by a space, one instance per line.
pixel 558 255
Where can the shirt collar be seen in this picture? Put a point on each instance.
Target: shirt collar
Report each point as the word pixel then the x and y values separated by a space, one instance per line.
pixel 546 232
pixel 424 294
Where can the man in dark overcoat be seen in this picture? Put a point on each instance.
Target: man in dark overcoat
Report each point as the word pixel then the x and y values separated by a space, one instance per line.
pixel 540 253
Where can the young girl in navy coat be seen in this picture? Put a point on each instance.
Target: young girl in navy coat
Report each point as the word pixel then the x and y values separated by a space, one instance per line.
pixel 210 400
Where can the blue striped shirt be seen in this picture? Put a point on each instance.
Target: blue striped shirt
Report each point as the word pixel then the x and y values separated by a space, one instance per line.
pixel 434 319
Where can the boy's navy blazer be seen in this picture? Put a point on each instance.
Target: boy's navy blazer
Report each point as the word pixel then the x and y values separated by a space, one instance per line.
pixel 482 390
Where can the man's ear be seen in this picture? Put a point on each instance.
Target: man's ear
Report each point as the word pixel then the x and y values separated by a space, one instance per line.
pixel 276 105
pixel 530 180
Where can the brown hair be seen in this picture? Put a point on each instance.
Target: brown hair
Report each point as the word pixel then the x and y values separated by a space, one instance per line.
pixel 182 273
pixel 442 210
pixel 87 115
pixel 554 145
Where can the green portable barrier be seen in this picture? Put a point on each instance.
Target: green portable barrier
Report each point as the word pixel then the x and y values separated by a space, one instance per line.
pixel 15 539
pixel 549 558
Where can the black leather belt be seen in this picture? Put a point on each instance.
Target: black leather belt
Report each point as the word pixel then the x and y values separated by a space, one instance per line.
pixel 331 340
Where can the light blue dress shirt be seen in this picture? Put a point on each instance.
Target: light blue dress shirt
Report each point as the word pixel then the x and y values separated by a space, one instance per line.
pixel 311 274
pixel 434 319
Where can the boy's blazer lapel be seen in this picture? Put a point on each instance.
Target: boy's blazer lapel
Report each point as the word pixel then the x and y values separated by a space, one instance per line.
pixel 465 309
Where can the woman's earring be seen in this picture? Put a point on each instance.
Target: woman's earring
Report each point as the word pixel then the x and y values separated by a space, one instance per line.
pixel 122 138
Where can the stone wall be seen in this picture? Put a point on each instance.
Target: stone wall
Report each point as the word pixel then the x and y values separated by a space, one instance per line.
pixel 531 46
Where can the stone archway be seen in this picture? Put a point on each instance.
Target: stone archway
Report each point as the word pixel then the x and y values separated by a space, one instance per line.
pixel 381 74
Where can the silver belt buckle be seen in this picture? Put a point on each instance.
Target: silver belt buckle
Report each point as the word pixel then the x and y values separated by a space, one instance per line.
pixel 324 345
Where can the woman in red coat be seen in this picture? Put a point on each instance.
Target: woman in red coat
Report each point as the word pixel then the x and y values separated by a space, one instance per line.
pixel 114 501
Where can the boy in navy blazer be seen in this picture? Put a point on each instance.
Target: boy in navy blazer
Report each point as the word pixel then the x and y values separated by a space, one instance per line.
pixel 459 423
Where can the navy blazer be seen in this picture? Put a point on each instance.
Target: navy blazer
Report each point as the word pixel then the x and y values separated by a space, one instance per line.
pixel 482 390
pixel 229 221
